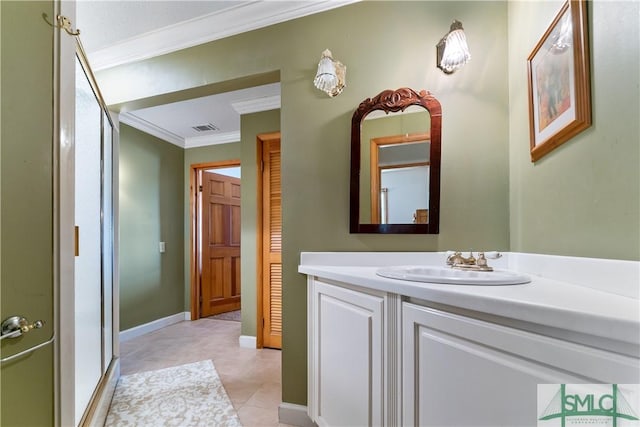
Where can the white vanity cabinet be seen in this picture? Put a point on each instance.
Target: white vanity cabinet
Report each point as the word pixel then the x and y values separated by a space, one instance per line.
pixel 460 371
pixel 385 352
pixel 352 333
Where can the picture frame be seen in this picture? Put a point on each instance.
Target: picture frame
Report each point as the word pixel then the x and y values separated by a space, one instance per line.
pixel 559 81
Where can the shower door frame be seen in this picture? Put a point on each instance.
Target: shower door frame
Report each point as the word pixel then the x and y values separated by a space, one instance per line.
pixel 66 49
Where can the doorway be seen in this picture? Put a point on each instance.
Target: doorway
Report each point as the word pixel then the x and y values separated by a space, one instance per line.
pixel 268 236
pixel 215 238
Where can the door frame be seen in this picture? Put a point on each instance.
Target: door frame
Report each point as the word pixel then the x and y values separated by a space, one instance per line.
pixel 261 139
pixel 64 219
pixel 193 228
pixel 65 49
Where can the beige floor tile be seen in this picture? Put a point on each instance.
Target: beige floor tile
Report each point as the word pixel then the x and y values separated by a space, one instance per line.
pixel 240 390
pixel 251 377
pixel 267 396
pixel 253 416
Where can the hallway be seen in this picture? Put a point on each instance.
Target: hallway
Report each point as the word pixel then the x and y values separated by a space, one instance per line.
pixel 251 377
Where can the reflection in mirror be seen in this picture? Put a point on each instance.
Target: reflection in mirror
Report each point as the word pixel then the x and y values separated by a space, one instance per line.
pixel 396 169
pixel 394 159
pixel 400 183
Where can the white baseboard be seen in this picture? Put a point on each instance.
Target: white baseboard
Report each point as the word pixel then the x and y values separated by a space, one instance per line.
pixel 247 341
pixel 136 331
pixel 295 415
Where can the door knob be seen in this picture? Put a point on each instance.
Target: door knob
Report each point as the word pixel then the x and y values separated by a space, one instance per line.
pixel 15 326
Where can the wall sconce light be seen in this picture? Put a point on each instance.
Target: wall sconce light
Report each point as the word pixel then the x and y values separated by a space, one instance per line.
pixel 331 75
pixel 452 50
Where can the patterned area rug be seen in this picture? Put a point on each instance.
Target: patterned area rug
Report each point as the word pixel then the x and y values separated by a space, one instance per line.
pixel 182 396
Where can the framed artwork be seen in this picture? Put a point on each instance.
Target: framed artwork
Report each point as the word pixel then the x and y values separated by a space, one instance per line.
pixel 559 82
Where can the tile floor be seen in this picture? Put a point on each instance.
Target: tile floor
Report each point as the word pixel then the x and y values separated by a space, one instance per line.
pixel 251 377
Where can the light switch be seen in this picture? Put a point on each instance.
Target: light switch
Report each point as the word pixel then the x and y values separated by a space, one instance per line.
pixel 163 247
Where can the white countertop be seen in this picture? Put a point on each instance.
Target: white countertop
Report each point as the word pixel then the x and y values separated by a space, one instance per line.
pixel 545 300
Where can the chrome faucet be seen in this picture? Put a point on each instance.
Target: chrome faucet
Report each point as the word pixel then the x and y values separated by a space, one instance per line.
pixel 456 260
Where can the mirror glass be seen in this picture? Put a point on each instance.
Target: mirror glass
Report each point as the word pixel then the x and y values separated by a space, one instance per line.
pixel 397 180
pixel 394 167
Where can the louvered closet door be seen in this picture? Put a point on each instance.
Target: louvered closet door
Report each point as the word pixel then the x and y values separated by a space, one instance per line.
pixel 272 245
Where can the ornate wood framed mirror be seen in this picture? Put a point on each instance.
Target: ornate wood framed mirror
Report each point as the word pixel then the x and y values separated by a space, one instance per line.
pixel 395 163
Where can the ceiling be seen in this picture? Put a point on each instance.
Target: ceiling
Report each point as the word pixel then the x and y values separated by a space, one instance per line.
pixel 116 32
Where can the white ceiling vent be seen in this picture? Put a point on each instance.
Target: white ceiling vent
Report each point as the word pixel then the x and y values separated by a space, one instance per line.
pixel 205 128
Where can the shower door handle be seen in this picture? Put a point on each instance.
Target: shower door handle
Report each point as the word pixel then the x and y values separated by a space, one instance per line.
pixel 15 326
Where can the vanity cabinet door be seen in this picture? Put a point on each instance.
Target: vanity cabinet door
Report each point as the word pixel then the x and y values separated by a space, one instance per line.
pixel 458 371
pixel 346 356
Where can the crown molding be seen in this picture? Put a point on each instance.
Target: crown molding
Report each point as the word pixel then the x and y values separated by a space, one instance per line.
pixel 192 142
pixel 264 103
pixel 145 126
pixel 203 141
pixel 214 26
pixel 256 105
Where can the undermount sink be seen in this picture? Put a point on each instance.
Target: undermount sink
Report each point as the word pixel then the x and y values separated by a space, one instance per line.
pixel 452 276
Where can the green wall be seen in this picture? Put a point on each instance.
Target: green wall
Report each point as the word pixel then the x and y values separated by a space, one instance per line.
pixel 316 129
pixel 26 208
pixel 151 211
pixel 583 198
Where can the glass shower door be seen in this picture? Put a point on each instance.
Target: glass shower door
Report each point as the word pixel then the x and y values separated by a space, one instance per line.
pixel 94 242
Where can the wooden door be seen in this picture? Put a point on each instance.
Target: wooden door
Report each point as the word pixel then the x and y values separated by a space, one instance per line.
pixel 220 244
pixel 271 244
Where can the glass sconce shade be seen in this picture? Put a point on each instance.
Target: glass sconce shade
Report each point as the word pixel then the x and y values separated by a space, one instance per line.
pixel 452 50
pixel 331 74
